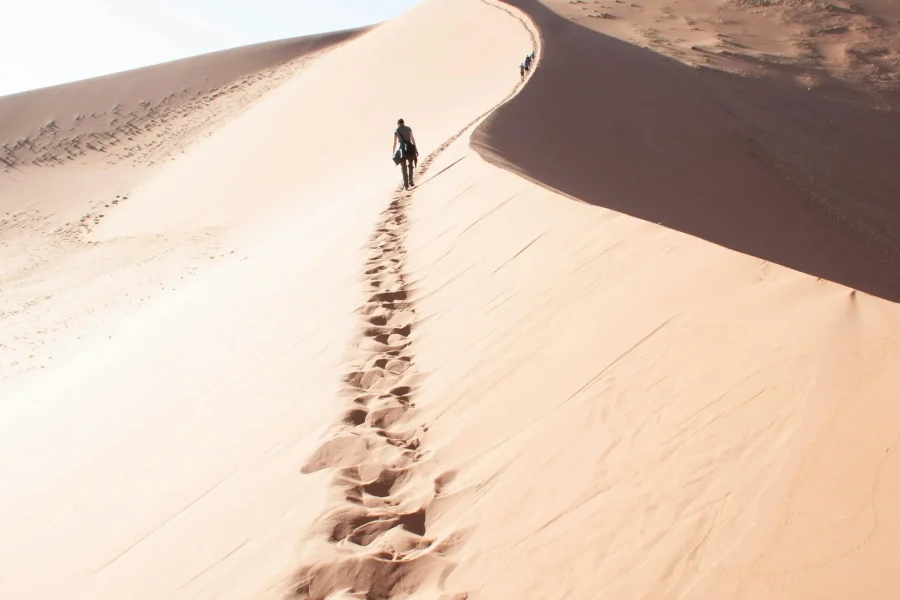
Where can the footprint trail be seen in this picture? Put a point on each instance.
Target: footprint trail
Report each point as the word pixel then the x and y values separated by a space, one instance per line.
pixel 377 542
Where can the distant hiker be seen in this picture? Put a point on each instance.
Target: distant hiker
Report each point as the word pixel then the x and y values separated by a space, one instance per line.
pixel 406 155
pixel 527 63
pixel 522 70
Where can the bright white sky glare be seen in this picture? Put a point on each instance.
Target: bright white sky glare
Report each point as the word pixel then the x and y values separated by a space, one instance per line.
pixel 48 42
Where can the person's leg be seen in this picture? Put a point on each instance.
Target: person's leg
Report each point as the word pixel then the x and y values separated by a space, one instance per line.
pixel 404 166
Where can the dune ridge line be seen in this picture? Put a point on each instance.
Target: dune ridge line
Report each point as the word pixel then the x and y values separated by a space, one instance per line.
pixel 376 542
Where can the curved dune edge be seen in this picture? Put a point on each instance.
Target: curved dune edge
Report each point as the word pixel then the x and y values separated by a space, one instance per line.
pixel 622 127
pixel 376 540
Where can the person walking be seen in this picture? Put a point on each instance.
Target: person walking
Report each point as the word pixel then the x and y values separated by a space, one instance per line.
pixel 408 153
pixel 522 70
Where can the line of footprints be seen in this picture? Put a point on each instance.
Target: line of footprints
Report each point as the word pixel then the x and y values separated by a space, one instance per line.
pixel 376 545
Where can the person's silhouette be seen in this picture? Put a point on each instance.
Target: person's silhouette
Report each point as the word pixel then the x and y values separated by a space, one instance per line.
pixel 409 154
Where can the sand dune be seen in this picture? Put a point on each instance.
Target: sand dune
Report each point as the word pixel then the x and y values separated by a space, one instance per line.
pixel 607 347
pixel 75 153
pixel 759 165
pixel 187 411
pixel 646 413
pixel 50 126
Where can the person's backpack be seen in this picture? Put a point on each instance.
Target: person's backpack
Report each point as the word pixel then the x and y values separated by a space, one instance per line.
pixel 406 148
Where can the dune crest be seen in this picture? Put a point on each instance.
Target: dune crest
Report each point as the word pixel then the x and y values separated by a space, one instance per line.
pixel 759 165
pixel 377 541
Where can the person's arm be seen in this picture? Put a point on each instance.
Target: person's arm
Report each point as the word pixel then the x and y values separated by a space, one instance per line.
pixel 394 139
pixel 412 137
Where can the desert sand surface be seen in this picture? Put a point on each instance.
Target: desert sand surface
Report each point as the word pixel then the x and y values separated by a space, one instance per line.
pixel 111 134
pixel 631 334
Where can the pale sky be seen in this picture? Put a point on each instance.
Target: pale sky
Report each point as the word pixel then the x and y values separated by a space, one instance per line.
pixel 47 42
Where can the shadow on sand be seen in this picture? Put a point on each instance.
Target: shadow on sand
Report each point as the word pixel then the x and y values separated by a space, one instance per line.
pixel 805 179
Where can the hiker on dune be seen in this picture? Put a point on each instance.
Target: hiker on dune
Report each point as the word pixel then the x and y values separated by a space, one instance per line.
pixel 406 155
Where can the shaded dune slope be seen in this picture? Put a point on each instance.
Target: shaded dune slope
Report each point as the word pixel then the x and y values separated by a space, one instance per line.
pixel 760 166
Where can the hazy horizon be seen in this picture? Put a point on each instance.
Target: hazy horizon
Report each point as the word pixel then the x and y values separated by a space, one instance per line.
pixel 59 42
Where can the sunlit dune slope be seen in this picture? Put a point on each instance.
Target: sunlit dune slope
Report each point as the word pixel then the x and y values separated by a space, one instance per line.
pixel 104 109
pixel 184 353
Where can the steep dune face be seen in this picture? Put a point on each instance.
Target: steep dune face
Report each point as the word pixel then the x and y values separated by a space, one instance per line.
pixel 759 165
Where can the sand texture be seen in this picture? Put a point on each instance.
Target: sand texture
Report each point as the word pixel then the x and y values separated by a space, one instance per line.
pixel 631 335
